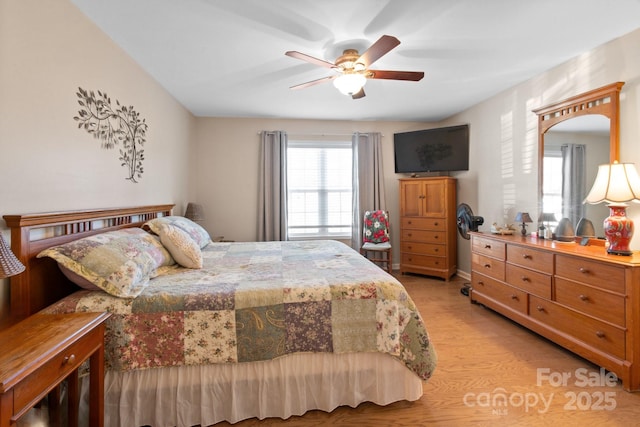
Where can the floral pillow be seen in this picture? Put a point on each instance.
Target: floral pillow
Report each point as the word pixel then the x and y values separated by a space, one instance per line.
pixel 181 246
pixel 375 227
pixel 195 231
pixel 119 262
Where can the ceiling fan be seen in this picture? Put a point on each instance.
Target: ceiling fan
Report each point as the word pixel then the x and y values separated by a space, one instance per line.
pixel 353 68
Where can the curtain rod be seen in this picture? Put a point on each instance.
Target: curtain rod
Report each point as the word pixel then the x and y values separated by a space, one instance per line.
pixel 319 134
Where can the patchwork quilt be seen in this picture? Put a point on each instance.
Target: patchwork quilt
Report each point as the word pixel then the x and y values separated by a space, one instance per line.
pixel 257 301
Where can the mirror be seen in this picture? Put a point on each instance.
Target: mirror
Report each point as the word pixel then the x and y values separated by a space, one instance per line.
pixel 584 128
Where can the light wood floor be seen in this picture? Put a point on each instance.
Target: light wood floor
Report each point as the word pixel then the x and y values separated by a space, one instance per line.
pixel 482 355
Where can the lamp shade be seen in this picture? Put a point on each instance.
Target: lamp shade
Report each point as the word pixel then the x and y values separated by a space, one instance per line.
pixel 615 183
pixel 348 84
pixel 9 264
pixel 547 217
pixel 194 212
pixel 523 217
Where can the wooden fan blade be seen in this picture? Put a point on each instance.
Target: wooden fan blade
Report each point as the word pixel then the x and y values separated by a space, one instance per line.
pixel 396 75
pixel 378 49
pixel 313 82
pixel 359 94
pixel 310 59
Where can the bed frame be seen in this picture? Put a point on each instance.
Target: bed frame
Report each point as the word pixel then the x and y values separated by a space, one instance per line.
pixel 42 283
pixel 355 378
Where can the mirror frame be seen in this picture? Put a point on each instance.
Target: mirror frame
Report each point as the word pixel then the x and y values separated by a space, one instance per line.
pixel 604 101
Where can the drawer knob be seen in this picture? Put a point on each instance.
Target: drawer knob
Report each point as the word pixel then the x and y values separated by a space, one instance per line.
pixel 436 250
pixel 436 223
pixel 69 360
pixel 584 270
pixel 480 282
pixel 525 279
pixel 435 237
pixel 487 246
pixel 514 297
pixel 526 256
pixel 487 266
pixel 600 334
pixel 583 297
pixel 540 308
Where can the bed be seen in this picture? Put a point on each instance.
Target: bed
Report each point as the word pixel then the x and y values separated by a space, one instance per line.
pixel 257 329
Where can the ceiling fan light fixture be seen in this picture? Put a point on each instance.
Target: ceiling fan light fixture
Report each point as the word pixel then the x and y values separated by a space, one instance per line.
pixel 348 84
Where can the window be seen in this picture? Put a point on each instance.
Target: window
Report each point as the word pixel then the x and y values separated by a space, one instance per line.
pixel 319 189
pixel 552 186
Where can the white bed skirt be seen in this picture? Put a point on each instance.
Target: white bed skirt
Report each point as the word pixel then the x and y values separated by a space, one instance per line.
pixel 290 385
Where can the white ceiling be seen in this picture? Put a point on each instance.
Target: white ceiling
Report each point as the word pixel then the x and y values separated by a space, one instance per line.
pixel 225 58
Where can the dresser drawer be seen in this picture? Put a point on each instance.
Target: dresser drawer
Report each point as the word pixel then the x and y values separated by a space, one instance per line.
pixel 423 248
pixel 500 292
pixel 600 335
pixel 423 261
pixel 489 247
pixel 530 258
pixel 595 302
pixel 436 224
pixel 529 280
pixel 488 266
pixel 605 276
pixel 29 391
pixel 424 236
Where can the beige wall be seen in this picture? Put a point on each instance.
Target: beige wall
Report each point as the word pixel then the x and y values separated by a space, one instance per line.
pixel 503 175
pixel 503 170
pixel 228 159
pixel 47 50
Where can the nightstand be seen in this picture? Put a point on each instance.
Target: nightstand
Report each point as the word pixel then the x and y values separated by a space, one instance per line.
pixel 40 352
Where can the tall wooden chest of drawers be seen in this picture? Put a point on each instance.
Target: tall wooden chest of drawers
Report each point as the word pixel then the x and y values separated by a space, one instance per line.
pixel 577 296
pixel 428 226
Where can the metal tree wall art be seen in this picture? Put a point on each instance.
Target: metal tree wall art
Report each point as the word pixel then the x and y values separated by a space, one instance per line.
pixel 121 126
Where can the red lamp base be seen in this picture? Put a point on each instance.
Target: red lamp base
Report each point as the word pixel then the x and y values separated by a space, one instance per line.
pixel 618 230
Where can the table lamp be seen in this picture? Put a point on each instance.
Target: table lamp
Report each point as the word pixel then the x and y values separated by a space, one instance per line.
pixel 194 212
pixel 523 218
pixel 616 184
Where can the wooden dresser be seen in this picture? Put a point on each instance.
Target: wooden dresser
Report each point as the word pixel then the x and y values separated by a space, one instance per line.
pixel 577 296
pixel 428 226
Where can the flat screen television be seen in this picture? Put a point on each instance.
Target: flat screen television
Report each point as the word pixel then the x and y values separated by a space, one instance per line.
pixel 432 150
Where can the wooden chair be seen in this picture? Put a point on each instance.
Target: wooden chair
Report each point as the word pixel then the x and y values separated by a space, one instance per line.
pixel 376 240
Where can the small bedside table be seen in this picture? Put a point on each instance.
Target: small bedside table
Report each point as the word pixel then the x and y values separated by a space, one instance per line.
pixel 38 353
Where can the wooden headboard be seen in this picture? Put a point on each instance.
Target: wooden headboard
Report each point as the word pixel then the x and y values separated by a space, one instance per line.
pixel 42 283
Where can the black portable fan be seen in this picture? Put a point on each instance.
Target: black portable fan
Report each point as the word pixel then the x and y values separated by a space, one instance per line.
pixel 467 221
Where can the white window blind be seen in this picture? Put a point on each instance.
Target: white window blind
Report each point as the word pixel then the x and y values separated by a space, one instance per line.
pixel 552 184
pixel 319 186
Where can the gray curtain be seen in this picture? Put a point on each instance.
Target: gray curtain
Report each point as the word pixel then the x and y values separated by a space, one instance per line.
pixel 368 180
pixel 573 181
pixel 272 193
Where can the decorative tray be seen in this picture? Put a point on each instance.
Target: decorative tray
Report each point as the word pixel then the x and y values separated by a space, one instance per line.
pixel 505 232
